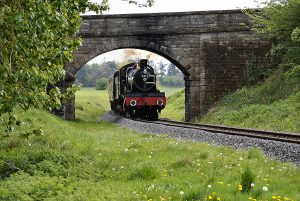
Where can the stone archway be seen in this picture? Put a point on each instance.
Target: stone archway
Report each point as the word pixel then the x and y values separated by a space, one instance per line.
pixel 81 57
pixel 210 47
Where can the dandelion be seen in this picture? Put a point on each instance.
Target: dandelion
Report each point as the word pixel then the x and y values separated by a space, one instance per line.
pixel 218 198
pixel 220 182
pixel 208 186
pixel 210 197
pixel 265 188
pixel 181 193
pixel 240 187
pixel 252 184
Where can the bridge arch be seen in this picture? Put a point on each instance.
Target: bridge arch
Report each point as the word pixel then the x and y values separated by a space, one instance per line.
pixel 81 57
pixel 210 47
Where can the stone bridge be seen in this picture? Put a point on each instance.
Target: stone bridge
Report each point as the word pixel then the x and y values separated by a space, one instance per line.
pixel 209 47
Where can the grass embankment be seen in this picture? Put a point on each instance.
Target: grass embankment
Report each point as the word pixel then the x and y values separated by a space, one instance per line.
pixel 85 160
pixel 271 105
pixel 175 106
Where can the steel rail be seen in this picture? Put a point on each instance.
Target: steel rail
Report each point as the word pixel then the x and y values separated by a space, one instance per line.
pixel 261 134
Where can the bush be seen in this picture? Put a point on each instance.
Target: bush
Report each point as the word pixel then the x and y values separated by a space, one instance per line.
pixel 101 84
pixel 256 70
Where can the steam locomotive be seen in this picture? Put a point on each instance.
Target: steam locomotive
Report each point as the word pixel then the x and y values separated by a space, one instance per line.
pixel 132 91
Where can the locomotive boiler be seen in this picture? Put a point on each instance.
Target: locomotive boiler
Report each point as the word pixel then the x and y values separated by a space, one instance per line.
pixel 133 91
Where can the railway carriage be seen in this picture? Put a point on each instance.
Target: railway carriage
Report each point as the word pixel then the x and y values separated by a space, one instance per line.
pixel 133 91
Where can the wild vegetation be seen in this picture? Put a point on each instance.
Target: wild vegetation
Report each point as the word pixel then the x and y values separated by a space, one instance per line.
pixel 89 74
pixel 36 39
pixel 272 105
pixel 91 160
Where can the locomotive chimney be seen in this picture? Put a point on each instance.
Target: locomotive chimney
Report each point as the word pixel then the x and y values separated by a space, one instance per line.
pixel 143 63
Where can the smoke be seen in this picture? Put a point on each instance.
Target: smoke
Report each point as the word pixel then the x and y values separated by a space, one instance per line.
pixel 135 55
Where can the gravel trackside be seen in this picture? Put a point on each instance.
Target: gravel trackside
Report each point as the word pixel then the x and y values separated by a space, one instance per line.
pixel 287 152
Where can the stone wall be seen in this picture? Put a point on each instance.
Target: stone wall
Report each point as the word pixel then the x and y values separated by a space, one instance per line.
pixel 210 47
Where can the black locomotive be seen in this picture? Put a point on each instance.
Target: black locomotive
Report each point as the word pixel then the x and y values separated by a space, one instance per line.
pixel 132 91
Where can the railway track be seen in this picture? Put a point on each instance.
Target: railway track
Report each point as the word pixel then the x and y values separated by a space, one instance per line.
pixel 261 134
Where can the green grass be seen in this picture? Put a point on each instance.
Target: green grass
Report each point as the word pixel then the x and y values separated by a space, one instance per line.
pixel 170 90
pixel 85 160
pixel 175 107
pixel 91 103
pixel 271 105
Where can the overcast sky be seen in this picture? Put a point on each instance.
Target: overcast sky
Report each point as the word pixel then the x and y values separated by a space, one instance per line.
pixel 120 7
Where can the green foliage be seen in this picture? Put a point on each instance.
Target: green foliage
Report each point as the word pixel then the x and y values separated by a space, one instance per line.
pixel 173 81
pixel 89 74
pixel 247 180
pixel 172 78
pixel 101 84
pixel 256 71
pixel 37 38
pixel 279 21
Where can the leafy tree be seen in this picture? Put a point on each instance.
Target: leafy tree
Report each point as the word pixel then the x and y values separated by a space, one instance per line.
pixel 171 70
pixel 89 74
pixel 101 84
pixel 279 21
pixel 37 37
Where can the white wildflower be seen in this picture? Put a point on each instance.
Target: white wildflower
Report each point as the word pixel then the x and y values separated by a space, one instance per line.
pixel 265 188
pixel 181 193
pixel 209 186
pixel 252 184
